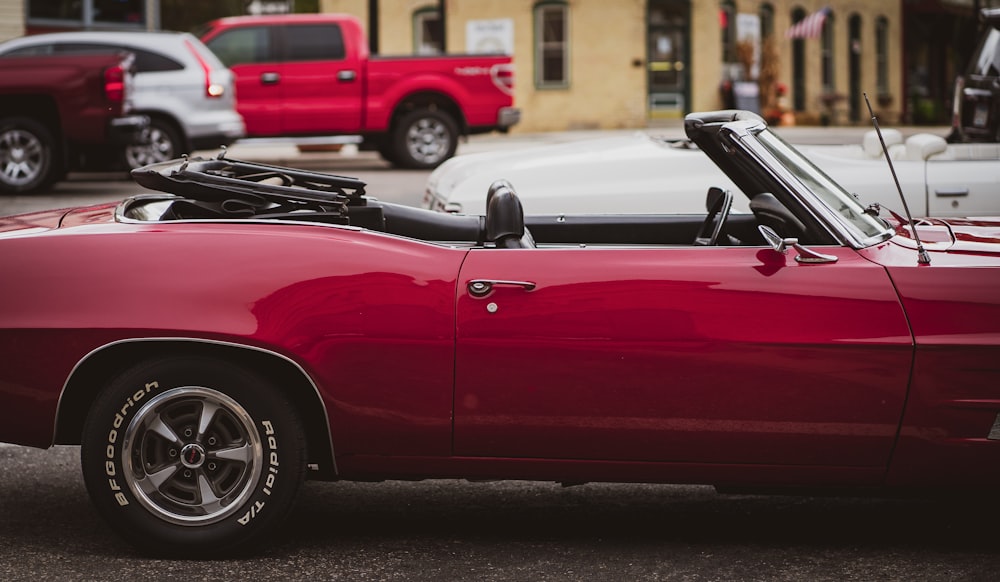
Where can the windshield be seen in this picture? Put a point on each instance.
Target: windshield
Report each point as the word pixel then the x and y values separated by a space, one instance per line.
pixel 987 63
pixel 864 226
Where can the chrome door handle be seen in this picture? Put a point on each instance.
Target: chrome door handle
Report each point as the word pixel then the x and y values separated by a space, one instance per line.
pixel 269 78
pixel 482 287
pixel 346 76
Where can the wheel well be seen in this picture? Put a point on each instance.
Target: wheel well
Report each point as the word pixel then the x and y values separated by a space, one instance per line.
pixel 41 108
pixel 433 101
pixel 100 367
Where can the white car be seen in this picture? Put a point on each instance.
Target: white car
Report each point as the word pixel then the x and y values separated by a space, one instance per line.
pixel 643 174
pixel 188 94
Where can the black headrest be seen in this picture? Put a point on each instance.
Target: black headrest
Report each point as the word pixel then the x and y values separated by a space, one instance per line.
pixel 504 213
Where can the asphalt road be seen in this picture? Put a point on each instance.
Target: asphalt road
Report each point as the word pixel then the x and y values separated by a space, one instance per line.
pixel 455 530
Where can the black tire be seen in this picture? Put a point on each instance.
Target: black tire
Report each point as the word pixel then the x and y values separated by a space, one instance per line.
pixel 385 148
pixel 160 142
pixel 424 139
pixel 29 159
pixel 192 457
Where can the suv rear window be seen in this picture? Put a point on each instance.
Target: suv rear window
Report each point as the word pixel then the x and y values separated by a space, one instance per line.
pixel 145 61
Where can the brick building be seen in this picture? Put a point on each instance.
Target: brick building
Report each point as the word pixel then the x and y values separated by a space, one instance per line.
pixel 628 63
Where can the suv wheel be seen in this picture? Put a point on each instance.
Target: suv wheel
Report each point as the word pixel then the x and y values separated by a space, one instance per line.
pixel 27 155
pixel 159 143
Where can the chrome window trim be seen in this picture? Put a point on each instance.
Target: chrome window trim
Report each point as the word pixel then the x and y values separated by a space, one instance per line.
pixel 744 134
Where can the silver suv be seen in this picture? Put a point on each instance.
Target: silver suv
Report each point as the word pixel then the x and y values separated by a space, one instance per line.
pixel 189 95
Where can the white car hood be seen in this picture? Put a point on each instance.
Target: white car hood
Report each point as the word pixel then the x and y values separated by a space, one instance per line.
pixel 586 176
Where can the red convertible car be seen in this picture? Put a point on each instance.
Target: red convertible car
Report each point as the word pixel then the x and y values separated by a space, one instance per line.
pixel 213 345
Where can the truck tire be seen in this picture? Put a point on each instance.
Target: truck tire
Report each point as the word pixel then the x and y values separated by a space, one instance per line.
pixel 192 456
pixel 161 142
pixel 28 156
pixel 424 138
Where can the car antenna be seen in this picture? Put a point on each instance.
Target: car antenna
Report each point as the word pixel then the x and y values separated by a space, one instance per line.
pixel 922 257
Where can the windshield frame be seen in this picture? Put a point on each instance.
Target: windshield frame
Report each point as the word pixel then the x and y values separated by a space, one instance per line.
pixel 822 195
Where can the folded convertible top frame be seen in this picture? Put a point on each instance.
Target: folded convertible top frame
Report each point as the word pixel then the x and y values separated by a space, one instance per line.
pixel 221 180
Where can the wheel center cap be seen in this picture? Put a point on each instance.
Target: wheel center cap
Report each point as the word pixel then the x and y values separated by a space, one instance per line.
pixel 17 154
pixel 192 456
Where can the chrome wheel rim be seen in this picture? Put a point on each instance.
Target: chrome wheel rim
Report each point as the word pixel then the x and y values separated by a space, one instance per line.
pixel 192 456
pixel 428 140
pixel 22 157
pixel 156 147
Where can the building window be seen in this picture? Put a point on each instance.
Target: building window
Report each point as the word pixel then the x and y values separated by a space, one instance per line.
pixel 551 45
pixel 826 56
pixel 727 30
pixel 766 20
pixel 882 55
pixel 89 13
pixel 798 65
pixel 428 36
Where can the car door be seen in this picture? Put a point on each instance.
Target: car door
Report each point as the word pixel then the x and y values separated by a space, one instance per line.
pixel 252 53
pixel 965 187
pixel 320 81
pixel 698 355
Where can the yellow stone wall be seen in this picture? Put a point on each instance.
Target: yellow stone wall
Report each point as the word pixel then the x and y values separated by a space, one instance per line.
pixel 11 19
pixel 607 54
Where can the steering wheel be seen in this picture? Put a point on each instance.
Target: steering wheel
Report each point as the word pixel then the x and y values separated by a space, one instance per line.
pixel 718 202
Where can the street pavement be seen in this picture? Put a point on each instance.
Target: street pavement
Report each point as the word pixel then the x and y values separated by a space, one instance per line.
pixel 285 151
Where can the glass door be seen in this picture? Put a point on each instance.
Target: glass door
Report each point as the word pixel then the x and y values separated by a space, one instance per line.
pixel 667 58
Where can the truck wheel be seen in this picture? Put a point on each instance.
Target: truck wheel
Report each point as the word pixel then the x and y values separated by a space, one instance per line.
pixel 385 148
pixel 192 457
pixel 424 138
pixel 159 143
pixel 28 157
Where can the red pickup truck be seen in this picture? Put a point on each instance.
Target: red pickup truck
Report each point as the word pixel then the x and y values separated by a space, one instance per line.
pixel 62 113
pixel 311 74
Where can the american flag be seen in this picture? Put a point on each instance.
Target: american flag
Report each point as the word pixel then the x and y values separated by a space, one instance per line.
pixel 810 26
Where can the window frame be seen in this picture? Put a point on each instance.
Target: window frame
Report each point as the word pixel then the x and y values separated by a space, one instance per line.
pixel 828 45
pixel 541 47
pixel 420 17
pixel 149 16
pixel 882 55
pixel 766 15
pixel 727 33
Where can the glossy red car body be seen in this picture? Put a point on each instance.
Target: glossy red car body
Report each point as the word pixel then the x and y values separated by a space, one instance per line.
pixel 691 365
pixel 734 365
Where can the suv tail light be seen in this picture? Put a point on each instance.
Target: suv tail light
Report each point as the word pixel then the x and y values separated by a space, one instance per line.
pixel 114 84
pixel 503 78
pixel 212 90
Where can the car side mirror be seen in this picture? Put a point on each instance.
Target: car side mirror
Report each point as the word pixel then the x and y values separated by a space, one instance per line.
pixel 780 245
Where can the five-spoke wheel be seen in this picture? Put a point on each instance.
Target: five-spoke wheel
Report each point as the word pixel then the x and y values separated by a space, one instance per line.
pixel 192 456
